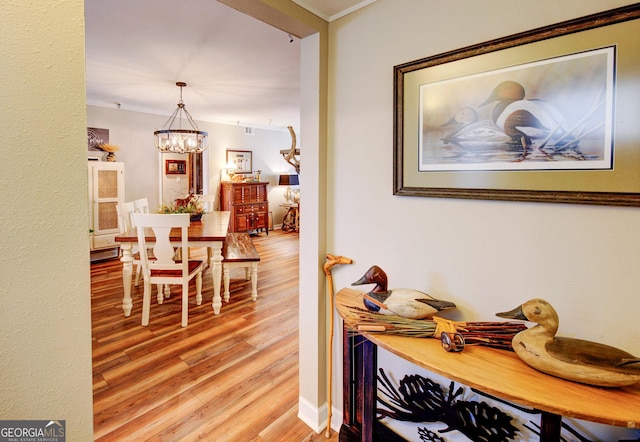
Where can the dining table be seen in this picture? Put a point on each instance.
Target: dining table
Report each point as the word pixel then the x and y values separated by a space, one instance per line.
pixel 210 231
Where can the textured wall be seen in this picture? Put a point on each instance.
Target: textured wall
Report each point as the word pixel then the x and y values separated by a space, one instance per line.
pixel 45 334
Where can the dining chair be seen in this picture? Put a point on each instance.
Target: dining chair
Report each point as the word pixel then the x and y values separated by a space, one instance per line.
pixel 208 202
pixel 165 269
pixel 125 224
pixel 141 205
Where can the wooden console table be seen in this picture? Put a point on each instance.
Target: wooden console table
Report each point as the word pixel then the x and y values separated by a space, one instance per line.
pixel 496 372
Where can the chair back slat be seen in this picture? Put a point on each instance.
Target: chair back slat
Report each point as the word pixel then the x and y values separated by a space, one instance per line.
pixel 125 210
pixel 141 205
pixel 163 251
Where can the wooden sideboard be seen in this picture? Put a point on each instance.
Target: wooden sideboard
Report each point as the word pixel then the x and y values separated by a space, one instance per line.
pixel 499 373
pixel 248 204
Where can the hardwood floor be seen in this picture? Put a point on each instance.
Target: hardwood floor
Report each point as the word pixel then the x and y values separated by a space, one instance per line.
pixel 230 377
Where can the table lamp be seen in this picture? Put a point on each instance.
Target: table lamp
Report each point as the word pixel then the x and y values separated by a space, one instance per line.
pixel 230 169
pixel 288 180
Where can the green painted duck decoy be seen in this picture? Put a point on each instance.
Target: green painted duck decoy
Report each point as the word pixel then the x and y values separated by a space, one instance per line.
pixel 408 303
pixel 568 358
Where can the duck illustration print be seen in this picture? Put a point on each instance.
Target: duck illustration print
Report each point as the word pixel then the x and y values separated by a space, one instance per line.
pixel 555 113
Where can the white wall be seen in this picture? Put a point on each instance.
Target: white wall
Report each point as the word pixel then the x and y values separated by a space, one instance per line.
pixel 486 256
pixel 133 132
pixel 45 319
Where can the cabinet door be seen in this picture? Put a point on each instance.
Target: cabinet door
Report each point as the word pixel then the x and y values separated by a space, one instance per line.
pixel 252 221
pixel 260 220
pixel 107 192
pixel 226 196
pixel 242 223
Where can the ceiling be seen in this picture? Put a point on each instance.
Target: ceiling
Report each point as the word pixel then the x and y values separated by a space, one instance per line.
pixel 238 69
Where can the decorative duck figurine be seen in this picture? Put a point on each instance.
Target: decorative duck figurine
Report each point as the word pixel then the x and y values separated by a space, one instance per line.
pixel 407 303
pixel 573 359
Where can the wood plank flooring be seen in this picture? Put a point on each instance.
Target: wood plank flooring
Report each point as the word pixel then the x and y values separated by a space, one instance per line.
pixel 230 377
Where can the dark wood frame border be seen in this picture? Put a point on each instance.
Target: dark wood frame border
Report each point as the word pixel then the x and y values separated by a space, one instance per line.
pixel 607 18
pixel 181 167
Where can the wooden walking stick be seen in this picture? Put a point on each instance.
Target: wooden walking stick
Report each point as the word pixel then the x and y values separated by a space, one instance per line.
pixel 332 260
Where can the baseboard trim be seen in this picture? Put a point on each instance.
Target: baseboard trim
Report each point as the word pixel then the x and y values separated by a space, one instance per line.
pixel 316 418
pixel 336 419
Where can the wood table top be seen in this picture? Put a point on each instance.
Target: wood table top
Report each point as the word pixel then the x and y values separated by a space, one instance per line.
pixel 212 227
pixel 501 373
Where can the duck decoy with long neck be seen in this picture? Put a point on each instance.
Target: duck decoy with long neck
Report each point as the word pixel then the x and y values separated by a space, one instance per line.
pixel 407 303
pixel 568 358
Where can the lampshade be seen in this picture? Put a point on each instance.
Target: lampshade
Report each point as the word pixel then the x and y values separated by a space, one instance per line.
pixel 288 180
pixel 178 140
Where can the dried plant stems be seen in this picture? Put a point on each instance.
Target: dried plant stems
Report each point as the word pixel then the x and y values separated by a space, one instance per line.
pixel 491 334
pixel 392 324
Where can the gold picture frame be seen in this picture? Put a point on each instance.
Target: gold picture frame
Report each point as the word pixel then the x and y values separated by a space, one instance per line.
pixel 535 169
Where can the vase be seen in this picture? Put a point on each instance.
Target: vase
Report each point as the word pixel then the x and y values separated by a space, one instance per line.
pixel 111 157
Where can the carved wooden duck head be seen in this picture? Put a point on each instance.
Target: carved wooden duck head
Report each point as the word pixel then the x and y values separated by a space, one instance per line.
pixel 375 275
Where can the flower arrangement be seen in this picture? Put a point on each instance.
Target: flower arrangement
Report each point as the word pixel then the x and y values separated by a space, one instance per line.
pixel 191 205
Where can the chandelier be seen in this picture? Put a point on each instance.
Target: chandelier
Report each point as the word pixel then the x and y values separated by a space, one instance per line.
pixel 179 140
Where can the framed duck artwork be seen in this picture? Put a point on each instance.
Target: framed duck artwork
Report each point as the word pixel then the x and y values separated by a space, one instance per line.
pixel 545 115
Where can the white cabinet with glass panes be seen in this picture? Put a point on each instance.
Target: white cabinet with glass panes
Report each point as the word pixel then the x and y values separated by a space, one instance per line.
pixel 106 191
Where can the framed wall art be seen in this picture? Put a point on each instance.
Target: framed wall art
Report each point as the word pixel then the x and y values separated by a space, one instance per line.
pixel 545 115
pixel 241 159
pixel 96 137
pixel 175 167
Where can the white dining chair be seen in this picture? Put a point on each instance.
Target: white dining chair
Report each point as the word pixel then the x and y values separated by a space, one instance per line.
pixel 125 224
pixel 141 205
pixel 165 269
pixel 208 202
